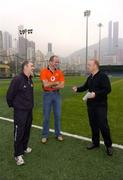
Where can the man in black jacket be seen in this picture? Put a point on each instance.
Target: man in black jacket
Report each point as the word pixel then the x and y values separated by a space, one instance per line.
pixel 98 87
pixel 20 97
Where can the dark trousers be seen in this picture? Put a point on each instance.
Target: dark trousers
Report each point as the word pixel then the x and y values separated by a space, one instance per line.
pixel 22 126
pixel 98 122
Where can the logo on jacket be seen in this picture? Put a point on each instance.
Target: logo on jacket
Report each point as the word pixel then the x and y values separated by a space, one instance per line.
pixel 52 78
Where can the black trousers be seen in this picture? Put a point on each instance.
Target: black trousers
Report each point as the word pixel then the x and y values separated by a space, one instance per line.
pixel 22 126
pixel 98 122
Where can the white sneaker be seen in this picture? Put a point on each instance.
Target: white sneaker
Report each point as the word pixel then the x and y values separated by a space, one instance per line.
pixel 44 140
pixel 28 150
pixel 60 138
pixel 19 160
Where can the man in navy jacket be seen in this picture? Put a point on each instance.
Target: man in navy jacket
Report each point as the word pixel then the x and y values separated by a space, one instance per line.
pixel 20 98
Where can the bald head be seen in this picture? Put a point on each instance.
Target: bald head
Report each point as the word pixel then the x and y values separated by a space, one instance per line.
pixel 93 66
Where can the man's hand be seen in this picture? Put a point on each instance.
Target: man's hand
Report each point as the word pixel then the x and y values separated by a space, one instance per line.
pixel 55 84
pixel 60 85
pixel 74 88
pixel 93 95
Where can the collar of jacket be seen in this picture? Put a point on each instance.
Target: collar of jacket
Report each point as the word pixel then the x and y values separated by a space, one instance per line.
pixel 48 67
pixel 26 77
pixel 95 74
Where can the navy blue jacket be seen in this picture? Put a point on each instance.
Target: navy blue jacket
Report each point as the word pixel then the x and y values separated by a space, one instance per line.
pixel 20 93
pixel 100 84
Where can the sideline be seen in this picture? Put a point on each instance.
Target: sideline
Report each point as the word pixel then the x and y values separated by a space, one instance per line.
pixel 67 134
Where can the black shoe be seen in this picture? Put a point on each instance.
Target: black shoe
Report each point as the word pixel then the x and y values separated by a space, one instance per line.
pixel 92 146
pixel 109 151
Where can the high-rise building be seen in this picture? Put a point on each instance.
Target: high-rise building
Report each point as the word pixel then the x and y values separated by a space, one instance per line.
pixel 39 61
pixel 20 28
pixel 31 50
pixel 115 34
pixel 1 40
pixel 49 53
pixel 50 47
pixel 7 41
pixel 1 46
pixel 110 37
pixel 26 49
pixel 22 47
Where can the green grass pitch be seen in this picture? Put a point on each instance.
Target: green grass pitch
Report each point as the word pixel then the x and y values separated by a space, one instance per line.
pixel 68 160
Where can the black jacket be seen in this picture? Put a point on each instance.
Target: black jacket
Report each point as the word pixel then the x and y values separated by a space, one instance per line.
pixel 20 93
pixel 100 84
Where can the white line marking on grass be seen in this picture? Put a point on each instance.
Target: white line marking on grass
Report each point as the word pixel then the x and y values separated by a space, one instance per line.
pixel 67 134
pixel 116 82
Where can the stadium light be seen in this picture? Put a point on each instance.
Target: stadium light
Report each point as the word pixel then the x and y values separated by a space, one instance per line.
pixel 100 26
pixel 86 14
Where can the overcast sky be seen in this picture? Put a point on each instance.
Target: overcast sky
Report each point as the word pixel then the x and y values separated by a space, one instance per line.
pixel 60 21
